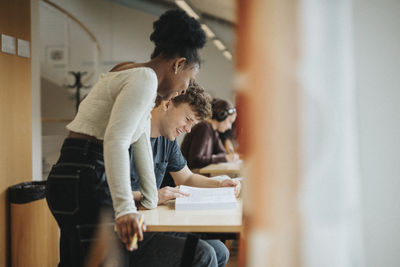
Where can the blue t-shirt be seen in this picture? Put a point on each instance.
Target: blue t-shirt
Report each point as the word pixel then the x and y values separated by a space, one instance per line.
pixel 167 157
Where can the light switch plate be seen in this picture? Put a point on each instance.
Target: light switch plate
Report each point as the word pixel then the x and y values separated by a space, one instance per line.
pixel 23 48
pixel 8 44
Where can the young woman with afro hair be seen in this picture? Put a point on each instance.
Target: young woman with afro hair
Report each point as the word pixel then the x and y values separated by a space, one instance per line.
pixel 92 175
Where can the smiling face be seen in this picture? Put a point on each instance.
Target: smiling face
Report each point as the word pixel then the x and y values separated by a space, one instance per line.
pixel 177 120
pixel 226 124
pixel 178 79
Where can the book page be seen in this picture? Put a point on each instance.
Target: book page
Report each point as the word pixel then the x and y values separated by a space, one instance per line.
pixel 220 177
pixel 206 198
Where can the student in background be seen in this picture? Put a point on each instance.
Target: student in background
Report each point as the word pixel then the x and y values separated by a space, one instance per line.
pixel 170 119
pixel 203 146
pixel 228 139
pixel 88 180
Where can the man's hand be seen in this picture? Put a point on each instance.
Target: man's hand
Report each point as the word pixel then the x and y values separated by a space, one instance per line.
pixel 169 193
pixel 128 225
pixel 231 183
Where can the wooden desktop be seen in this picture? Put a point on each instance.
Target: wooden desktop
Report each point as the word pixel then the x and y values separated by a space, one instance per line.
pixel 232 169
pixel 165 218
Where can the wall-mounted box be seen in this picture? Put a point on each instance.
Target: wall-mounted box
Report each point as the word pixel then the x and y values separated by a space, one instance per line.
pixel 8 44
pixel 23 48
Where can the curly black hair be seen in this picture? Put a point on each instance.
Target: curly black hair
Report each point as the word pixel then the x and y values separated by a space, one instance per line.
pixel 177 34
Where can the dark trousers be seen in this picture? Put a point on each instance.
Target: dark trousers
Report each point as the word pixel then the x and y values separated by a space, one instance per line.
pixel 168 249
pixel 77 193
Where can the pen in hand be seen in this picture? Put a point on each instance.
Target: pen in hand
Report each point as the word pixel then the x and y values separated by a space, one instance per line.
pixel 133 244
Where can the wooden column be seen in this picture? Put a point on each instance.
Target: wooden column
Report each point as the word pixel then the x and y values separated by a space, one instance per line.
pixel 267 99
pixel 15 112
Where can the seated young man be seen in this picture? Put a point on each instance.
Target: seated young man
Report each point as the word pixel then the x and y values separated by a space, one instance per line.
pixel 170 119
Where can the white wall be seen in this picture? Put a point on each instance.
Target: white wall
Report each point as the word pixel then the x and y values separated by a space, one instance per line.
pixel 124 35
pixel 36 117
pixel 377 48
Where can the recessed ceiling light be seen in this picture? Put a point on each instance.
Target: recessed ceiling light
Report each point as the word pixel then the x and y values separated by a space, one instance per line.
pixel 219 44
pixel 208 31
pixel 227 54
pixel 182 4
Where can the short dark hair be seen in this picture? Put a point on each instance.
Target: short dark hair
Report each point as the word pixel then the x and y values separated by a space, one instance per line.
pixel 176 34
pixel 197 98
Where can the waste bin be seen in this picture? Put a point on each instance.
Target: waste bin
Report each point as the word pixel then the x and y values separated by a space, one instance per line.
pixel 34 231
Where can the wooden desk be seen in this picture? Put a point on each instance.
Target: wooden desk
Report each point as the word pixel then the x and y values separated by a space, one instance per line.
pixel 202 223
pixel 165 218
pixel 228 168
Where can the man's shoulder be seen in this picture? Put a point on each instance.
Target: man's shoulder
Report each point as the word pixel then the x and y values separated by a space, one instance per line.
pixel 164 143
pixel 170 153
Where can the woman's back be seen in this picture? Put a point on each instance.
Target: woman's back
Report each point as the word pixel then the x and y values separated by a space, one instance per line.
pixel 139 89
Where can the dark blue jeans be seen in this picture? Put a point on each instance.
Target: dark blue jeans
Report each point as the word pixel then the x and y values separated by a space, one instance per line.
pixel 77 193
pixel 79 199
pixel 166 250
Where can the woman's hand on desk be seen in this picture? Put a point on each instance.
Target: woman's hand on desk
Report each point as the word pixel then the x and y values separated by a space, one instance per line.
pixel 231 183
pixel 169 193
pixel 232 157
pixel 127 226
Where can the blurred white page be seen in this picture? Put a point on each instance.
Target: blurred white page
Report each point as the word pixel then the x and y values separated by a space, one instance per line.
pixel 206 198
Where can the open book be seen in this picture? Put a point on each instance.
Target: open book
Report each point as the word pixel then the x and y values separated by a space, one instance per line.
pixel 206 198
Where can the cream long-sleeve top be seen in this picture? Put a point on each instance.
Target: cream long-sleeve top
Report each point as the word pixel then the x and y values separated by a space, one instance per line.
pixel 117 111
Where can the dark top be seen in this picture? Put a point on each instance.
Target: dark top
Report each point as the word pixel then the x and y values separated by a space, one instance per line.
pixel 228 134
pixel 167 157
pixel 202 146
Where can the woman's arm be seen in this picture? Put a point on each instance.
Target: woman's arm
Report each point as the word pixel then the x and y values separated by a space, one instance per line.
pixel 132 103
pixel 145 169
pixel 219 153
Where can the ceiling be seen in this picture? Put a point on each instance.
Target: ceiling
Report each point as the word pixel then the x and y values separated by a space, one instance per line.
pixel 221 9
pixel 219 15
